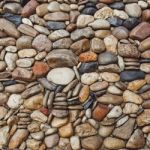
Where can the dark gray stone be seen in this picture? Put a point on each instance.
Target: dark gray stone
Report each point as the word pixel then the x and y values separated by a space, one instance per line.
pixel 131 75
pixel 130 23
pixel 55 25
pixel 88 67
pixel 107 58
pixel 115 21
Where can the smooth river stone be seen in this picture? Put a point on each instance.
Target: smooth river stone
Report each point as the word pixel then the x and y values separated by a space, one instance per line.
pixel 88 67
pixel 131 75
pixel 9 28
pixel 61 58
pixel 107 58
pixel 141 31
pixel 61 76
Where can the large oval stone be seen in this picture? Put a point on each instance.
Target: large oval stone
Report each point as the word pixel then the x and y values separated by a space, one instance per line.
pixel 61 76
pixel 61 58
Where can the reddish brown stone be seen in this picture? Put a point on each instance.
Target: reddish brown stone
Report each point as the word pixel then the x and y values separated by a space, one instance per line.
pixel 40 68
pixel 88 57
pixel 100 112
pixel 141 31
pixel 29 8
pixel 146 15
pixel 45 111
pixel 71 27
pixel 84 93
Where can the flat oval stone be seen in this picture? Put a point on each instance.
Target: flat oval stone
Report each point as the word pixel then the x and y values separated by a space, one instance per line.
pixel 107 58
pixel 59 113
pixel 141 31
pixel 115 21
pixel 54 25
pixel 128 50
pixel 61 58
pixel 89 11
pixel 88 67
pixel 92 142
pixel 120 32
pixel 9 28
pixel 117 5
pixel 61 76
pixel 131 75
pixel 16 19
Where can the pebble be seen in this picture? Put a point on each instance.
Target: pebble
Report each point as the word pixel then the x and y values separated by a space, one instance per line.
pixel 138 32
pixel 16 19
pixel 24 42
pixel 115 112
pixel 88 67
pixel 120 32
pixel 14 101
pixel 125 131
pixel 105 131
pixel 128 50
pixel 61 58
pixel 107 58
pixel 10 59
pixel 38 116
pixel 88 57
pixel 75 142
pixel 93 142
pixel 9 28
pixel 40 68
pixel 66 130
pixel 100 112
pixel 34 102
pixel 110 99
pixel 58 34
pixel 53 25
pixel 84 20
pixel 4 135
pixel 133 10
pixel 110 77
pixel 115 21
pixel 58 122
pixel 99 24
pixel 86 32
pixel 136 140
pixel 114 143
pixel 130 23
pixel 41 42
pixel 131 75
pixel 19 136
pixel 89 78
pixel 85 130
pixel 129 96
pixel 111 44
pixel 84 93
pixel 103 13
pixel 142 119
pixel 51 140
pixel 56 75
pixel 130 108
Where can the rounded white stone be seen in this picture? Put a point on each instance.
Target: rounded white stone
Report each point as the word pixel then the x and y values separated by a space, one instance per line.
pixel 61 76
pixel 14 101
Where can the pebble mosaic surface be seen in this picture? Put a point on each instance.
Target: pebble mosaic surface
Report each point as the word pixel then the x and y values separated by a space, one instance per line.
pixel 75 74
